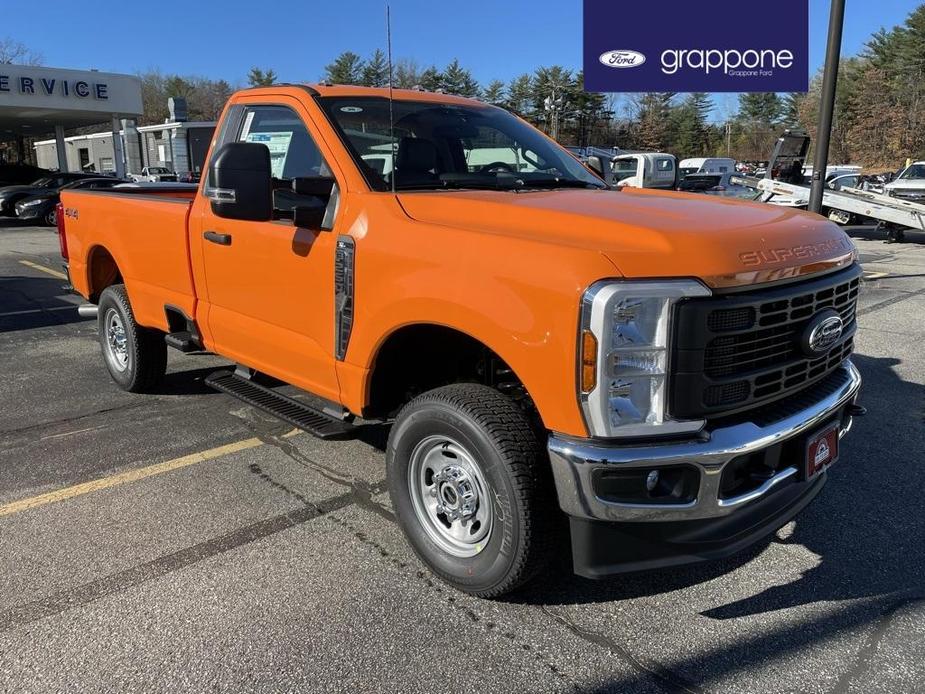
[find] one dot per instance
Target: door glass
(293, 154)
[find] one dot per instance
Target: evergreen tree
(691, 132)
(458, 80)
(347, 68)
(431, 79)
(375, 72)
(495, 93)
(760, 107)
(260, 78)
(520, 96)
(407, 74)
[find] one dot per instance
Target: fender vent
(343, 294)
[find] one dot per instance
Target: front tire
(470, 485)
(136, 357)
(51, 218)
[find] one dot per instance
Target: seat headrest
(416, 154)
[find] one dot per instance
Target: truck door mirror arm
(240, 182)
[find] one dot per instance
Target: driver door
(270, 285)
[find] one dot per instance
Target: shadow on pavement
(34, 302)
(866, 527)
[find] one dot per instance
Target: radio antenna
(388, 35)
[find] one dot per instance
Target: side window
(293, 155)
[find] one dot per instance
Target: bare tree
(15, 52)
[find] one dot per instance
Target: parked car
(188, 177)
(154, 174)
(10, 195)
(543, 348)
(20, 174)
(908, 185)
(43, 205)
(715, 184)
(706, 165)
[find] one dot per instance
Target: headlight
(623, 356)
(31, 203)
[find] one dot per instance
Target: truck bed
(144, 230)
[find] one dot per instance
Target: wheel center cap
(456, 492)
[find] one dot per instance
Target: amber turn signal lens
(588, 361)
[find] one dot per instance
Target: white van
(706, 165)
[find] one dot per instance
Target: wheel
(471, 488)
(51, 217)
(135, 356)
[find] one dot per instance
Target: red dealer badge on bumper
(821, 450)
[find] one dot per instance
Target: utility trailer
(785, 179)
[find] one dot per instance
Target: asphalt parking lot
(186, 542)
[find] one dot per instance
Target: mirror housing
(240, 182)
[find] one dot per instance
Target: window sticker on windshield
(351, 109)
(248, 120)
(278, 144)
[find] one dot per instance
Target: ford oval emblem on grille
(822, 332)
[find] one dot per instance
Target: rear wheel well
(102, 272)
(418, 358)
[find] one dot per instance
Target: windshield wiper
(553, 182)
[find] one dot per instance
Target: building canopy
(34, 100)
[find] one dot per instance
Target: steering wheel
(496, 166)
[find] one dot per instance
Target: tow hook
(856, 410)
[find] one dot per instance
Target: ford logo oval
(622, 59)
(822, 332)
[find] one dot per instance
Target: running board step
(184, 341)
(289, 410)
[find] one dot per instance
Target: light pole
(827, 106)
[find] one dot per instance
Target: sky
(495, 39)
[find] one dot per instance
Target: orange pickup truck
(672, 371)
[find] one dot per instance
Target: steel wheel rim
(116, 341)
(450, 497)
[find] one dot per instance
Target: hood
(646, 233)
(915, 183)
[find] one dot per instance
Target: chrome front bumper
(574, 462)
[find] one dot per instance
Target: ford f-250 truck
(670, 370)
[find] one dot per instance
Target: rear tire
(136, 357)
(470, 484)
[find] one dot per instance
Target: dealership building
(180, 146)
(43, 102)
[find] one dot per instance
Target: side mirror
(596, 165)
(240, 182)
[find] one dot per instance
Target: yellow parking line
(129, 476)
(36, 266)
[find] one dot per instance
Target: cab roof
(351, 90)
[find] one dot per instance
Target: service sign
(683, 46)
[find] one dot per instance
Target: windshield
(441, 146)
(914, 171)
(44, 182)
(157, 169)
